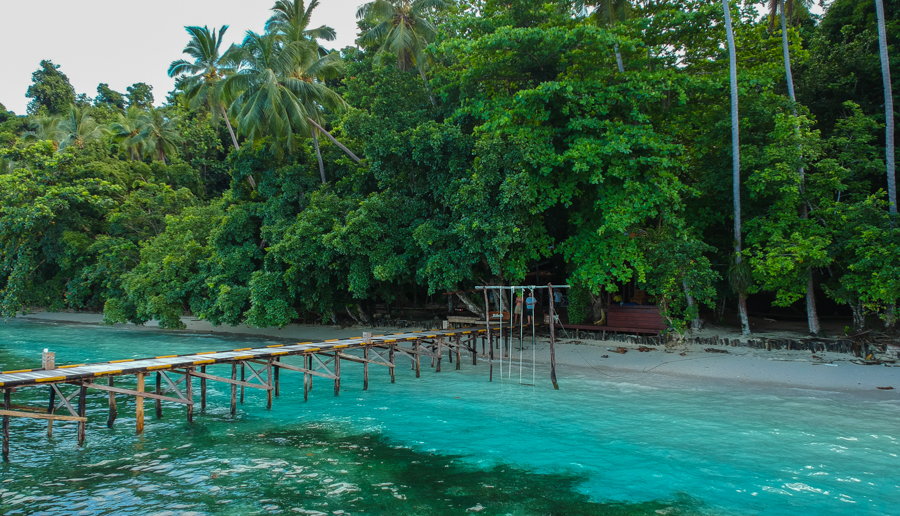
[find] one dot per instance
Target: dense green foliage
(492, 136)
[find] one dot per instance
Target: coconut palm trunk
(315, 140)
(736, 161)
(230, 129)
(341, 146)
(619, 59)
(427, 86)
(888, 108)
(812, 316)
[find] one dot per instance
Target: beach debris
(714, 350)
(645, 349)
(621, 350)
(683, 353)
(888, 388)
(604, 356)
(478, 508)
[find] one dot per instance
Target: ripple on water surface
(446, 444)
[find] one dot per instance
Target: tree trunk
(619, 59)
(695, 323)
(230, 130)
(470, 305)
(427, 87)
(736, 159)
(888, 108)
(859, 316)
(890, 318)
(347, 151)
(319, 156)
(811, 316)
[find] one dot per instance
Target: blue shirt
(529, 302)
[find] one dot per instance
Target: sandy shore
(791, 369)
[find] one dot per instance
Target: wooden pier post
(552, 341)
(7, 404)
(440, 353)
(269, 383)
(391, 358)
(82, 408)
(418, 362)
(366, 369)
(305, 384)
(310, 368)
(189, 393)
(50, 409)
(337, 374)
(456, 338)
(474, 344)
(139, 405)
(203, 390)
(159, 393)
(233, 389)
(242, 379)
(277, 378)
(490, 336)
(113, 413)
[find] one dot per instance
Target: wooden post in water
(440, 353)
(487, 321)
(310, 368)
(391, 358)
(277, 378)
(7, 404)
(158, 393)
(113, 413)
(203, 390)
(139, 405)
(305, 383)
(269, 368)
(233, 389)
(242, 379)
(366, 369)
(418, 362)
(189, 393)
(456, 338)
(474, 345)
(82, 408)
(50, 409)
(337, 374)
(552, 340)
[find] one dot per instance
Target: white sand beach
(825, 371)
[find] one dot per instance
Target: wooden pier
(260, 368)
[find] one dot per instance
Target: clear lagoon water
(447, 443)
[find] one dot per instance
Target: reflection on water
(448, 443)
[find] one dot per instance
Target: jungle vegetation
(711, 152)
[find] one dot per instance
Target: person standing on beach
(518, 309)
(530, 301)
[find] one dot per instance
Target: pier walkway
(175, 373)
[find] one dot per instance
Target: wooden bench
(639, 319)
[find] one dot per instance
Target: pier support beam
(158, 393)
(337, 374)
(366, 369)
(139, 406)
(82, 408)
(203, 390)
(7, 405)
(50, 411)
(277, 379)
(269, 384)
(189, 393)
(458, 355)
(418, 362)
(233, 389)
(440, 342)
(391, 358)
(243, 379)
(113, 413)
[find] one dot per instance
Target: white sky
(121, 43)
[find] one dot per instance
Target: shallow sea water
(446, 443)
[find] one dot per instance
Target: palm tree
(795, 7)
(736, 167)
(401, 27)
(888, 108)
(274, 93)
(609, 12)
(78, 127)
(204, 75)
(127, 129)
(42, 128)
(291, 19)
(159, 136)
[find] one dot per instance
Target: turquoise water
(446, 443)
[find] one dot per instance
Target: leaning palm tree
(127, 129)
(159, 136)
(736, 170)
(203, 76)
(888, 107)
(78, 127)
(402, 28)
(274, 95)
